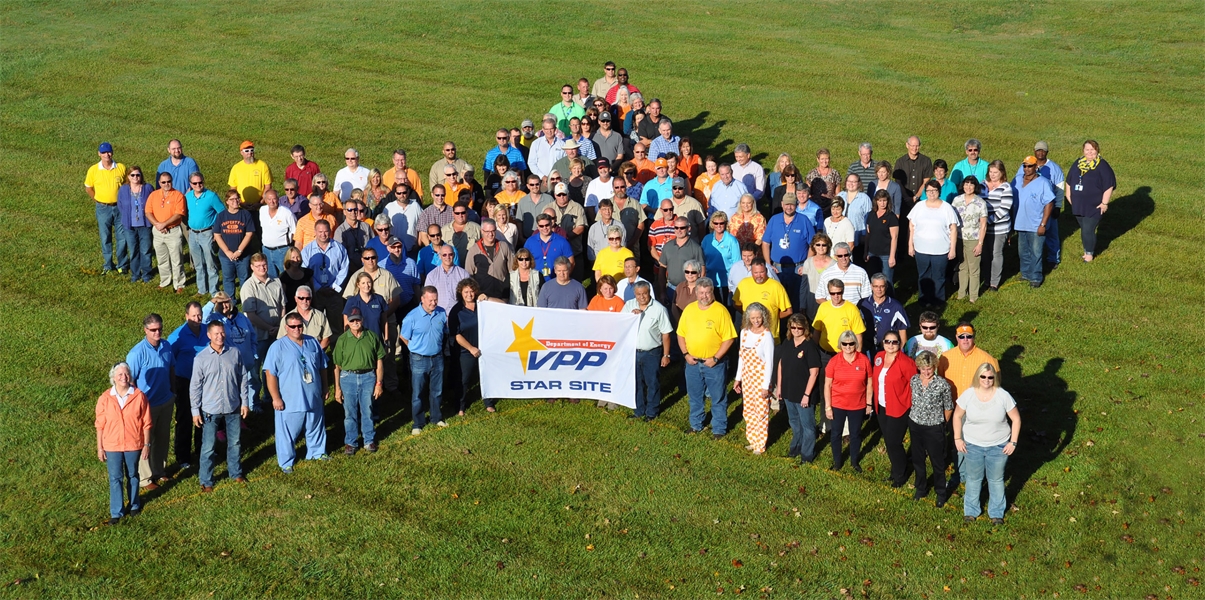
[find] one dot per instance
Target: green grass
(1103, 358)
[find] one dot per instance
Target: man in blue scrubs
(296, 372)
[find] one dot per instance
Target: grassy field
(555, 501)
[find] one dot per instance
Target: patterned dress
(753, 371)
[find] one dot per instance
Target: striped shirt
(660, 231)
(999, 208)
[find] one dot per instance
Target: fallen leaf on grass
(737, 563)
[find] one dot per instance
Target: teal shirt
(203, 210)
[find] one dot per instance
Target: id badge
(307, 377)
(1079, 188)
(545, 271)
(784, 243)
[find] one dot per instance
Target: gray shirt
(265, 300)
(654, 322)
(609, 146)
(596, 237)
(526, 211)
(554, 295)
(220, 383)
(674, 257)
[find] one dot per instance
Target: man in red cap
(250, 176)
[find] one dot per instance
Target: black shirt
(878, 232)
(290, 286)
(795, 363)
(910, 173)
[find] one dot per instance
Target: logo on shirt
(553, 354)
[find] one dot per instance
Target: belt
(424, 355)
(200, 230)
(276, 247)
(657, 349)
(359, 371)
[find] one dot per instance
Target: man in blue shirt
(152, 369)
(1035, 201)
(404, 270)
(808, 209)
(204, 206)
(240, 334)
(546, 246)
(328, 259)
(785, 244)
(512, 154)
(660, 187)
(179, 166)
(186, 341)
(971, 165)
(221, 395)
(885, 312)
(1050, 170)
(726, 194)
(296, 374)
(424, 331)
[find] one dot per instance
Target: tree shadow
(704, 138)
(1048, 419)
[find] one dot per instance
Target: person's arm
(222, 245)
(338, 388)
(895, 238)
(1046, 210)
(982, 228)
(869, 390)
(765, 252)
(1014, 416)
(954, 240)
(686, 354)
(828, 397)
(959, 415)
(810, 388)
(243, 245)
(724, 346)
(274, 390)
(911, 238)
(378, 388)
(786, 313)
(150, 216)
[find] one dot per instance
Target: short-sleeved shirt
(911, 173)
(405, 272)
(277, 229)
(569, 217)
(654, 323)
(850, 381)
(1088, 187)
(303, 175)
(600, 304)
(234, 227)
(373, 311)
(545, 253)
(705, 330)
(969, 213)
(298, 372)
(932, 228)
(610, 262)
(570, 295)
(316, 326)
(655, 191)
(358, 353)
(918, 344)
(986, 423)
(1032, 199)
(463, 322)
(203, 210)
(164, 205)
(788, 241)
(150, 368)
(963, 168)
(770, 294)
(105, 182)
(878, 232)
(180, 173)
(929, 402)
(888, 316)
(795, 363)
(264, 299)
(674, 257)
(831, 321)
(425, 331)
(857, 283)
(250, 180)
(960, 369)
(446, 281)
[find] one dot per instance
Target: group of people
(332, 288)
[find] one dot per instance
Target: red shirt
(897, 384)
(303, 175)
(849, 381)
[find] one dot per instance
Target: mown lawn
(554, 501)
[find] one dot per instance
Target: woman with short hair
(972, 212)
(847, 398)
(753, 375)
(838, 226)
(932, 229)
(123, 436)
(986, 427)
(797, 368)
(931, 408)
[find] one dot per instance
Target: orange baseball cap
(246, 144)
(661, 162)
(1030, 160)
(965, 329)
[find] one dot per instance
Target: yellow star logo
(524, 343)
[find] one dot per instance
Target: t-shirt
(705, 330)
(233, 227)
(770, 294)
(610, 262)
(849, 381)
(463, 321)
(600, 304)
(795, 363)
(674, 257)
(250, 180)
(788, 242)
(831, 321)
(918, 344)
(878, 232)
(555, 295)
(278, 229)
(986, 423)
(932, 227)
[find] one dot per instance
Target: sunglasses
(795, 328)
(300, 298)
(543, 225)
(892, 342)
(820, 245)
(691, 272)
(354, 210)
(135, 174)
(298, 326)
(383, 229)
(681, 228)
(615, 239)
(832, 293)
(678, 187)
(719, 223)
(966, 336)
(293, 189)
(155, 330)
(524, 259)
(667, 210)
(848, 344)
(350, 158)
(928, 328)
(459, 212)
(369, 257)
(435, 235)
(842, 255)
(987, 377)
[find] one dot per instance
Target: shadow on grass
(704, 138)
(1125, 213)
(1048, 419)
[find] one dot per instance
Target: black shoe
(920, 494)
(134, 512)
(857, 468)
(968, 519)
(897, 485)
(114, 520)
(941, 502)
(835, 467)
(1034, 284)
(647, 418)
(997, 521)
(692, 431)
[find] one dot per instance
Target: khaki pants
(968, 271)
(170, 254)
(155, 467)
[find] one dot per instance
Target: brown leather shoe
(349, 450)
(240, 479)
(162, 481)
(150, 487)
(371, 447)
(207, 489)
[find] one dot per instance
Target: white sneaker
(442, 424)
(415, 431)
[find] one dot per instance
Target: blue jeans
(200, 246)
(931, 277)
(122, 465)
(803, 430)
(977, 462)
(648, 383)
(428, 370)
(289, 426)
(880, 263)
(1054, 245)
(232, 423)
(357, 406)
(707, 381)
(138, 242)
(229, 268)
(276, 260)
(108, 222)
(840, 416)
(1029, 247)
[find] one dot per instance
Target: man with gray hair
(857, 283)
(864, 167)
(971, 165)
(545, 150)
(351, 177)
(748, 172)
(221, 395)
(726, 193)
(885, 313)
(488, 262)
(676, 252)
(912, 170)
(652, 349)
(665, 142)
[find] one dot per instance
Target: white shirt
(542, 155)
(752, 175)
(346, 180)
(654, 322)
(932, 227)
(277, 230)
(404, 221)
(763, 345)
(621, 289)
(857, 284)
(599, 190)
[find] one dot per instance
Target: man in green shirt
(359, 374)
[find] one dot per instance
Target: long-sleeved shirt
(752, 175)
(543, 155)
(329, 264)
(221, 384)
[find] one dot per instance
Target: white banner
(556, 353)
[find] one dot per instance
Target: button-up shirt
(292, 365)
(654, 322)
(240, 334)
(542, 155)
(185, 346)
(726, 197)
(445, 281)
(150, 368)
(329, 264)
(752, 175)
(424, 331)
(266, 300)
(221, 384)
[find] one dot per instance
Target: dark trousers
(803, 430)
(893, 429)
(840, 416)
(468, 374)
(188, 438)
(648, 384)
(1087, 233)
(931, 277)
(929, 440)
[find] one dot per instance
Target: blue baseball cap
(105, 147)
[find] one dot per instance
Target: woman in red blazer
(893, 372)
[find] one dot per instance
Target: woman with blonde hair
(524, 279)
(774, 178)
(987, 425)
(375, 192)
(753, 375)
(746, 223)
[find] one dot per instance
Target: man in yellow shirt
(250, 176)
(705, 333)
(760, 288)
(399, 167)
(958, 364)
(102, 182)
(836, 317)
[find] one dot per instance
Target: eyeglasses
(892, 342)
(608, 68)
(928, 327)
(154, 330)
(554, 179)
(667, 210)
(445, 255)
(564, 93)
(349, 158)
(459, 212)
(678, 187)
(382, 229)
(719, 223)
(691, 272)
(614, 239)
(524, 259)
(529, 183)
(842, 255)
(543, 225)
(972, 149)
(848, 344)
(832, 293)
(449, 149)
(354, 210)
(820, 245)
(306, 298)
(967, 336)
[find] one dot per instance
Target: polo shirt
(264, 299)
(416, 184)
(770, 294)
(960, 368)
(358, 353)
(304, 176)
(180, 173)
(857, 283)
(277, 229)
(1052, 171)
(512, 154)
(233, 227)
(346, 180)
(610, 262)
(185, 346)
(725, 197)
(150, 368)
(571, 295)
(424, 331)
(656, 190)
(888, 316)
(329, 264)
(404, 221)
(406, 274)
(446, 281)
(564, 113)
(1031, 203)
(463, 322)
(674, 257)
(652, 129)
(660, 232)
(831, 321)
(963, 168)
(304, 233)
(293, 364)
(250, 179)
(203, 210)
(705, 329)
(428, 258)
(316, 326)
(865, 173)
(788, 241)
(105, 182)
(570, 217)
(645, 170)
(373, 311)
(544, 253)
(654, 323)
(740, 272)
(609, 146)
(221, 384)
(752, 175)
(720, 256)
(527, 209)
(849, 381)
